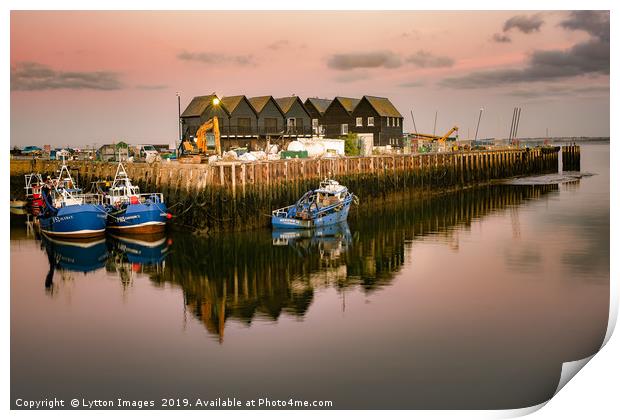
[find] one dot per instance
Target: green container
(289, 154)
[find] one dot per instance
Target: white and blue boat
(327, 205)
(69, 213)
(129, 211)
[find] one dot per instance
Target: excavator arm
(211, 125)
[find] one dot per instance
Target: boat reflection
(329, 241)
(72, 256)
(144, 254)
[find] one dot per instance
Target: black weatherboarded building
(252, 121)
(316, 107)
(296, 116)
(270, 116)
(378, 116)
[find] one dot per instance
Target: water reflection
(260, 275)
(121, 255)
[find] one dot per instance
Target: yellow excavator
(207, 143)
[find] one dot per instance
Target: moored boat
(132, 212)
(326, 205)
(34, 183)
(67, 212)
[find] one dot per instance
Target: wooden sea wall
(238, 196)
(571, 158)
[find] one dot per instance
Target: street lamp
(179, 120)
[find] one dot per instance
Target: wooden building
(379, 117)
(200, 110)
(297, 118)
(242, 118)
(316, 108)
(374, 119)
(338, 119)
(270, 115)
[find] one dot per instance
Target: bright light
(216, 101)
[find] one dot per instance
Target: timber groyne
(240, 195)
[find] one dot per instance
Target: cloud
(501, 38)
(151, 87)
(352, 77)
(523, 23)
(278, 44)
(214, 58)
(596, 23)
(386, 59)
(29, 76)
(425, 59)
(560, 91)
(590, 57)
(417, 83)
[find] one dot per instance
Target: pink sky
(100, 77)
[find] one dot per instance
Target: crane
(202, 146)
(440, 139)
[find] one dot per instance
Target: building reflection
(261, 275)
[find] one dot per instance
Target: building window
(358, 121)
(388, 121)
(371, 121)
(243, 125)
(397, 122)
(344, 129)
(271, 125)
(315, 122)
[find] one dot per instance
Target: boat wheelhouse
(34, 183)
(69, 213)
(132, 212)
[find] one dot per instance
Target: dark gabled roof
(198, 105)
(259, 102)
(319, 104)
(232, 102)
(383, 106)
(286, 103)
(348, 103)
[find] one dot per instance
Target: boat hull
(139, 219)
(294, 223)
(75, 222)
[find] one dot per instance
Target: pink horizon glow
(288, 53)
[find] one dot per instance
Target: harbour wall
(240, 195)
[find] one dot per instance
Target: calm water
(469, 300)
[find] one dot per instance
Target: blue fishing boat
(327, 205)
(131, 212)
(69, 213)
